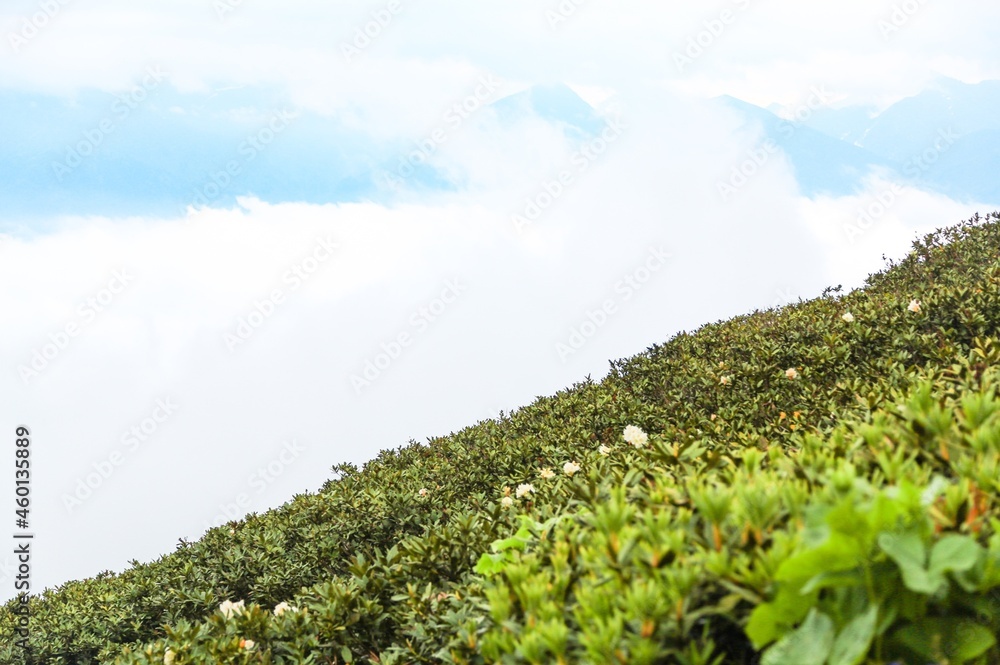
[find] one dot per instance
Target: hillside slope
(817, 483)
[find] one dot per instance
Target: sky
(241, 242)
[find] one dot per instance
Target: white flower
(232, 532)
(792, 373)
(229, 608)
(848, 317)
(506, 502)
(636, 436)
(281, 608)
(569, 468)
(423, 491)
(725, 380)
(604, 450)
(914, 306)
(524, 489)
(168, 657)
(247, 644)
(546, 473)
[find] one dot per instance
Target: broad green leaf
(840, 578)
(854, 641)
(489, 564)
(907, 550)
(810, 644)
(693, 452)
(517, 542)
(837, 553)
(954, 552)
(763, 626)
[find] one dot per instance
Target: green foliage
(844, 513)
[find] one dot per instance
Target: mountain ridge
(903, 140)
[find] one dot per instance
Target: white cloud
(769, 52)
(884, 219)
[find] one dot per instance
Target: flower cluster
(636, 436)
(229, 608)
(281, 608)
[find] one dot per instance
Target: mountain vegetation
(811, 485)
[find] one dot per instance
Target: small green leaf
(954, 552)
(772, 620)
(489, 565)
(854, 641)
(909, 553)
(513, 543)
(810, 644)
(763, 626)
(906, 549)
(838, 552)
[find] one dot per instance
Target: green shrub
(843, 512)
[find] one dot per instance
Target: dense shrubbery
(815, 488)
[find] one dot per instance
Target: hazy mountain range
(945, 139)
(157, 150)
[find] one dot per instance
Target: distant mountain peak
(946, 138)
(553, 102)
